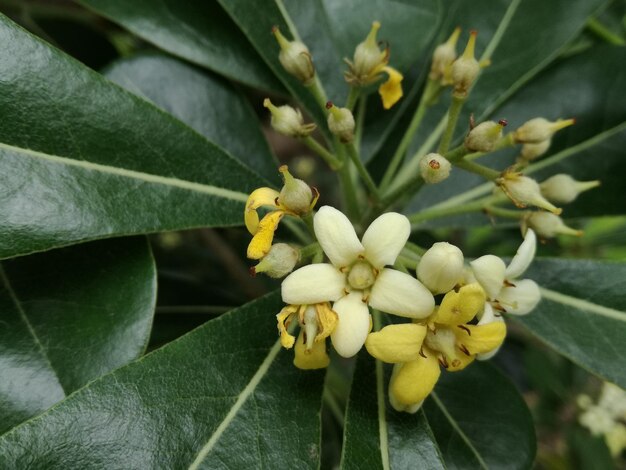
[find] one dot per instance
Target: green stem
(418, 250)
(318, 93)
(475, 206)
(453, 116)
(369, 182)
(360, 119)
(500, 212)
(296, 229)
(332, 161)
(432, 87)
(309, 250)
(412, 186)
(597, 28)
(352, 97)
(308, 220)
(456, 154)
(349, 192)
(472, 167)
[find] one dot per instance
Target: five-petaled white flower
(358, 277)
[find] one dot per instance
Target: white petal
(353, 325)
(400, 294)
(385, 238)
(313, 284)
(489, 272)
(337, 237)
(521, 299)
(523, 257)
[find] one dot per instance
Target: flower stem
(475, 206)
(309, 250)
(332, 161)
(349, 192)
(432, 87)
(352, 97)
(412, 247)
(456, 154)
(478, 169)
(501, 212)
(369, 182)
(308, 220)
(318, 93)
(408, 188)
(453, 116)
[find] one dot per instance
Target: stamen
(508, 283)
(463, 348)
(422, 353)
(466, 329)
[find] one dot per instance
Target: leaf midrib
(583, 304)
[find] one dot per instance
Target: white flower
(357, 276)
(505, 291)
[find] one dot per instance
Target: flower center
(442, 340)
(361, 275)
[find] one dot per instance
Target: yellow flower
(316, 322)
(446, 340)
(296, 198)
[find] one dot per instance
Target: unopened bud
(548, 225)
(434, 168)
(443, 57)
(465, 69)
(279, 262)
(530, 151)
(368, 60)
(295, 58)
(441, 267)
(341, 122)
(288, 121)
(484, 136)
(539, 129)
(524, 192)
(295, 195)
(563, 189)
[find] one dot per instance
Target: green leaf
(68, 316)
(84, 159)
(377, 436)
(480, 420)
(222, 396)
(197, 31)
(206, 103)
(582, 313)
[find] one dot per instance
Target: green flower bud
(484, 136)
(434, 168)
(288, 121)
(443, 57)
(524, 192)
(295, 58)
(368, 60)
(563, 189)
(539, 129)
(532, 151)
(465, 69)
(341, 122)
(441, 267)
(279, 262)
(295, 195)
(548, 225)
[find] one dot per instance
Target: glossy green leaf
(377, 436)
(223, 396)
(582, 314)
(69, 316)
(206, 103)
(195, 30)
(84, 159)
(480, 420)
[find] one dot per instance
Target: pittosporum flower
(295, 58)
(288, 121)
(443, 57)
(563, 189)
(465, 69)
(341, 122)
(504, 290)
(279, 262)
(524, 191)
(357, 277)
(484, 136)
(539, 130)
(445, 340)
(441, 267)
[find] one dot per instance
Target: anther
(466, 329)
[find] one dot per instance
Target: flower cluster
(607, 417)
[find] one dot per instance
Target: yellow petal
(481, 338)
(411, 382)
(262, 241)
(457, 308)
(391, 90)
(326, 320)
(258, 197)
(396, 343)
(283, 318)
(460, 361)
(314, 358)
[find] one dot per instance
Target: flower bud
(524, 192)
(548, 225)
(484, 136)
(443, 57)
(295, 195)
(279, 262)
(539, 129)
(295, 58)
(368, 60)
(434, 168)
(341, 122)
(441, 267)
(465, 69)
(532, 151)
(288, 121)
(563, 189)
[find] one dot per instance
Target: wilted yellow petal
(481, 338)
(457, 308)
(326, 320)
(283, 318)
(258, 197)
(391, 90)
(411, 382)
(262, 241)
(396, 343)
(314, 358)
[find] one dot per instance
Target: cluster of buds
(536, 137)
